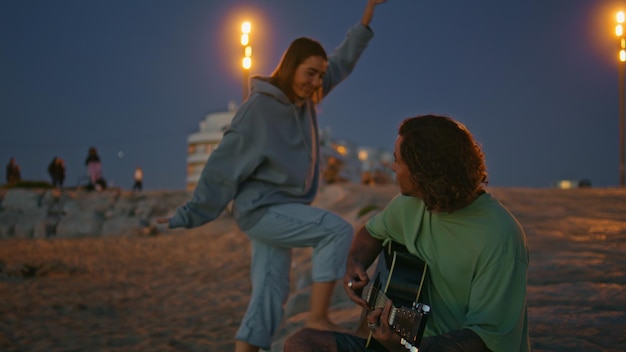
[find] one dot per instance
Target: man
(474, 248)
(13, 172)
(56, 169)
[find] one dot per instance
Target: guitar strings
(381, 300)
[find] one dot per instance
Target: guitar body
(405, 277)
(399, 276)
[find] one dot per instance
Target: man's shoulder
(402, 208)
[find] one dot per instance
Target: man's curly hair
(447, 165)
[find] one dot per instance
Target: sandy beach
(186, 290)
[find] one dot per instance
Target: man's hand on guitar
(378, 323)
(354, 281)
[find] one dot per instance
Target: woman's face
(308, 76)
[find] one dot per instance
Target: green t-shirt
(477, 264)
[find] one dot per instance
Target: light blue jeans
(282, 228)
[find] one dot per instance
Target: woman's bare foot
(325, 324)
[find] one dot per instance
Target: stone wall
(39, 213)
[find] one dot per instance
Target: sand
(186, 290)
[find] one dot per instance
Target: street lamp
(619, 31)
(246, 63)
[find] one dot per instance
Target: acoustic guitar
(399, 277)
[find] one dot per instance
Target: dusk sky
(536, 81)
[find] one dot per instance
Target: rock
(37, 213)
(8, 219)
(117, 226)
(21, 199)
(27, 221)
(79, 224)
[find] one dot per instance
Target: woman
(268, 163)
(94, 169)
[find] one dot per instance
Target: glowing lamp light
(246, 26)
(565, 184)
(246, 63)
(619, 31)
(363, 155)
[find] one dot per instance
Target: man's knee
(309, 340)
(296, 342)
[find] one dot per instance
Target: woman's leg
(299, 225)
(321, 295)
(269, 271)
(242, 346)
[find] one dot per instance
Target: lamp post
(619, 31)
(246, 63)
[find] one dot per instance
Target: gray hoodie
(270, 153)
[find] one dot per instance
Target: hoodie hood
(262, 85)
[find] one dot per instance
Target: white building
(202, 143)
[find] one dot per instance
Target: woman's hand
(163, 221)
(369, 11)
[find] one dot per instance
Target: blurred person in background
(138, 177)
(56, 170)
(94, 170)
(13, 172)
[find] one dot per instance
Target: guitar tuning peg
(408, 346)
